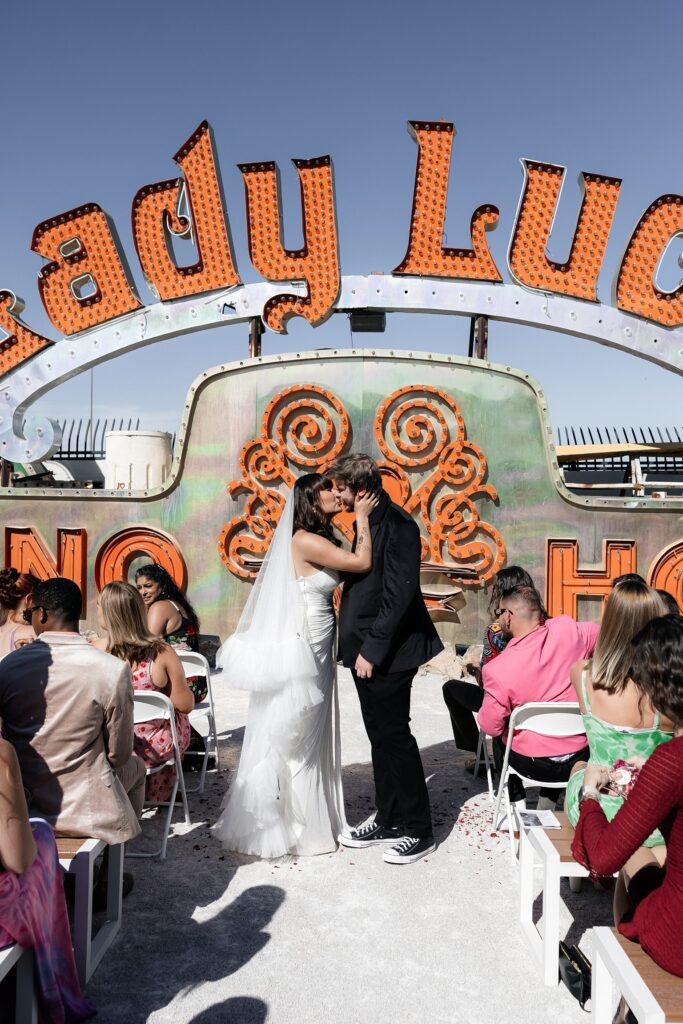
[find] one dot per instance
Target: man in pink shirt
(534, 667)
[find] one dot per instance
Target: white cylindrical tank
(136, 460)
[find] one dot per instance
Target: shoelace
(406, 844)
(364, 830)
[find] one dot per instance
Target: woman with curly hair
(15, 590)
(170, 615)
(655, 801)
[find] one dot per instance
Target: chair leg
(82, 870)
(601, 988)
(26, 1007)
(551, 920)
(489, 777)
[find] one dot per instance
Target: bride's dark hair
(307, 512)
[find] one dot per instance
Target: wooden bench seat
(654, 995)
(77, 857)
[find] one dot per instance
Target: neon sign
(91, 300)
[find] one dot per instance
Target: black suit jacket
(383, 615)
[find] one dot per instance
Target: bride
(287, 796)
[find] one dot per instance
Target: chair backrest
(195, 664)
(548, 719)
(148, 705)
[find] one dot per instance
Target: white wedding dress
(287, 795)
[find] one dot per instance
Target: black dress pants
(541, 769)
(461, 700)
(401, 794)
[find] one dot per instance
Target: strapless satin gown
(287, 795)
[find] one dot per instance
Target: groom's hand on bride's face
(363, 668)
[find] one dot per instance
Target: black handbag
(575, 972)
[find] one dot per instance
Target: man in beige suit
(67, 709)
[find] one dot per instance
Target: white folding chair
(483, 755)
(148, 707)
(202, 716)
(545, 719)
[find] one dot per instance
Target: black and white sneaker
(409, 849)
(369, 834)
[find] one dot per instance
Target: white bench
(654, 996)
(549, 849)
(20, 960)
(77, 857)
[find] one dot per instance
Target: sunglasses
(27, 613)
(503, 611)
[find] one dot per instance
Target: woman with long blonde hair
(619, 719)
(155, 666)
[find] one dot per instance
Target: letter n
(26, 551)
(566, 582)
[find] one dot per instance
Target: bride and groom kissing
(287, 795)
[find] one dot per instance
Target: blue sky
(97, 98)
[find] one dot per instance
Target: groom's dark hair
(359, 472)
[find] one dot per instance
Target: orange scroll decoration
(421, 427)
(417, 428)
(666, 572)
(636, 288)
(85, 283)
(426, 253)
(157, 216)
(528, 258)
(21, 342)
(317, 263)
(305, 427)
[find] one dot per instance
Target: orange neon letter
(665, 572)
(157, 215)
(566, 582)
(21, 342)
(426, 253)
(115, 556)
(528, 258)
(26, 551)
(317, 263)
(85, 283)
(636, 289)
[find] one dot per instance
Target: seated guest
(628, 577)
(170, 615)
(534, 667)
(463, 697)
(67, 709)
(32, 906)
(619, 721)
(155, 666)
(655, 894)
(15, 591)
(495, 637)
(670, 602)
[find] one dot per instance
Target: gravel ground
(210, 937)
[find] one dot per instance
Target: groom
(385, 634)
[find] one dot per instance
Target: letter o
(115, 556)
(666, 572)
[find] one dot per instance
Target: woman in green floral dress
(620, 723)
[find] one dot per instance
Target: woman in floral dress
(155, 667)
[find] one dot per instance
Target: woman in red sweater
(655, 915)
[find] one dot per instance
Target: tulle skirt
(287, 795)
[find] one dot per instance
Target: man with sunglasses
(67, 709)
(534, 667)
